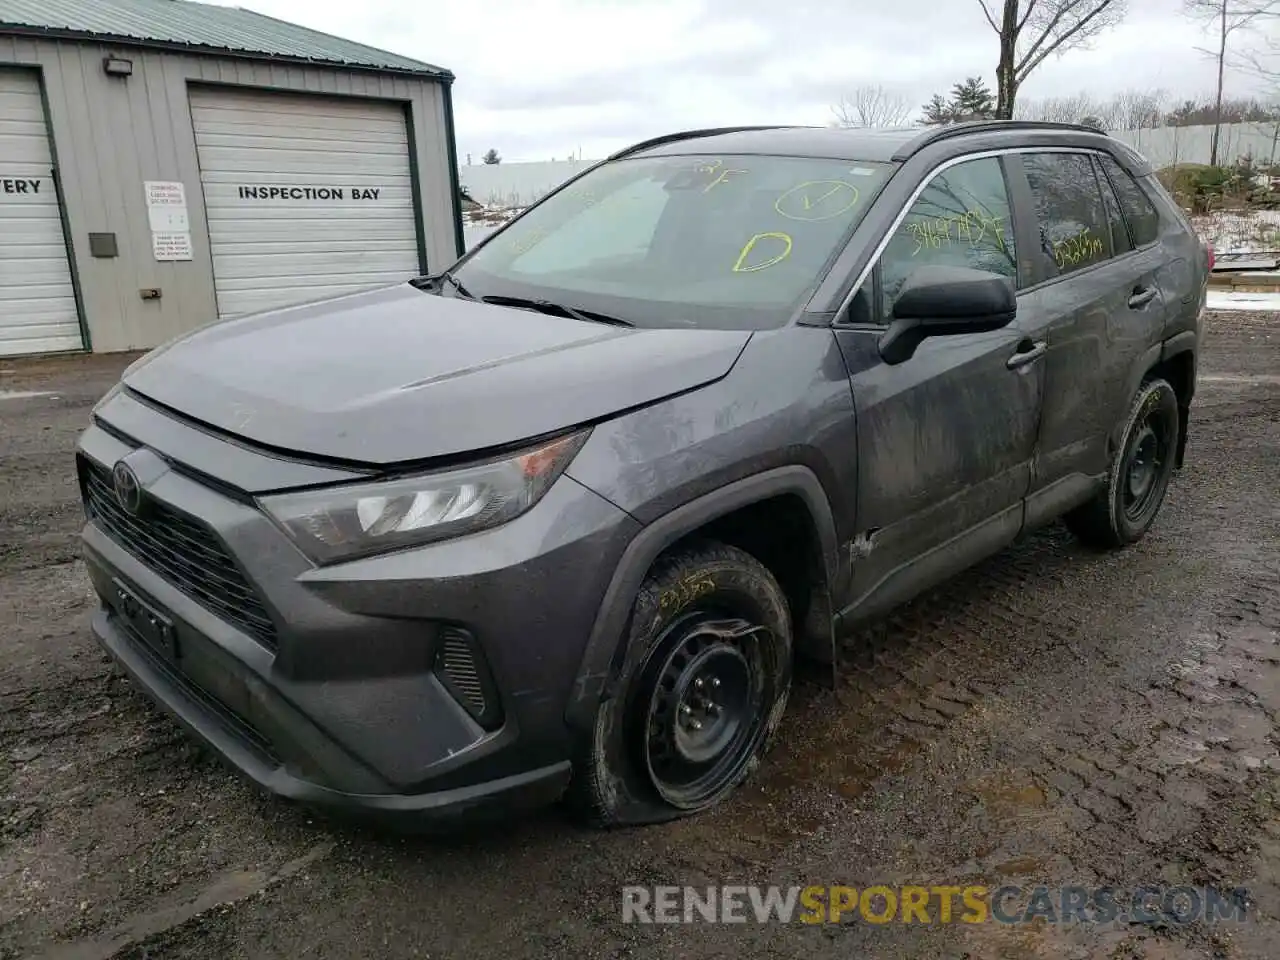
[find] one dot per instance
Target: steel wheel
(700, 689)
(1121, 512)
(1145, 460)
(1143, 471)
(705, 716)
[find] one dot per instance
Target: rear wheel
(700, 694)
(1123, 511)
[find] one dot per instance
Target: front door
(945, 439)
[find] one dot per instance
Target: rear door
(1096, 302)
(1180, 268)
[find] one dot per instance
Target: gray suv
(559, 521)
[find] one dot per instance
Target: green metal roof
(183, 25)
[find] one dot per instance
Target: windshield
(731, 241)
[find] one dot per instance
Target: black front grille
(183, 551)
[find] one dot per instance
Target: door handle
(1142, 296)
(1028, 353)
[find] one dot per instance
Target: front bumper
(210, 722)
(346, 707)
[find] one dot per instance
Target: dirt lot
(1055, 716)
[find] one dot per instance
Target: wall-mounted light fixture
(117, 66)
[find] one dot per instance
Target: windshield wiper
(446, 277)
(561, 309)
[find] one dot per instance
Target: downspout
(455, 184)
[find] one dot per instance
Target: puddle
(861, 776)
(1020, 867)
(1259, 378)
(1005, 794)
(1039, 941)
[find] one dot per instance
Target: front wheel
(1123, 511)
(700, 694)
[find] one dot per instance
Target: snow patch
(1223, 300)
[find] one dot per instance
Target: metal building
(165, 163)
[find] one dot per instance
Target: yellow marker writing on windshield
(817, 200)
(724, 175)
(741, 265)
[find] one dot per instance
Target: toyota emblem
(128, 489)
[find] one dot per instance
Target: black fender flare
(1179, 343)
(605, 646)
(1150, 357)
(1156, 354)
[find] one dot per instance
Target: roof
(181, 25)
(886, 144)
(826, 142)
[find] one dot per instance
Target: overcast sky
(543, 78)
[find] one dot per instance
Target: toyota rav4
(561, 518)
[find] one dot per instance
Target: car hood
(395, 374)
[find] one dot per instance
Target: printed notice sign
(167, 215)
(171, 246)
(164, 193)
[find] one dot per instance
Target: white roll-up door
(306, 196)
(37, 300)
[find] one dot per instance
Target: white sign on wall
(167, 214)
(165, 193)
(171, 246)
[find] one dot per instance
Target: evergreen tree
(973, 100)
(970, 100)
(937, 112)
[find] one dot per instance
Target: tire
(1123, 511)
(710, 614)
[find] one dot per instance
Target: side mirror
(943, 301)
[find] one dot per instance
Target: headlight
(340, 523)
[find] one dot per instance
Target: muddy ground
(1055, 716)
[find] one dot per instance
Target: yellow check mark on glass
(809, 203)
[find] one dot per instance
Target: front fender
(606, 646)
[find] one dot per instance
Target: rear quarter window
(1139, 212)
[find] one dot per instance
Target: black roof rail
(934, 134)
(690, 135)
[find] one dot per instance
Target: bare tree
(1125, 110)
(1031, 30)
(1140, 109)
(871, 105)
(1068, 109)
(1226, 18)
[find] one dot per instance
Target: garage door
(306, 197)
(37, 301)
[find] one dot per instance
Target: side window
(1120, 242)
(1074, 233)
(961, 219)
(1139, 212)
